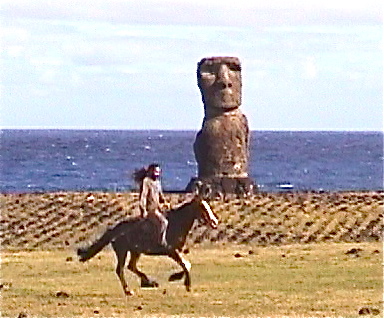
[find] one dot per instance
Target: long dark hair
(139, 174)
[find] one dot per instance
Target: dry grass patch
(62, 220)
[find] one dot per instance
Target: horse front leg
(176, 256)
(121, 254)
(132, 266)
(176, 276)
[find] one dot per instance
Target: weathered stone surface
(222, 145)
(219, 187)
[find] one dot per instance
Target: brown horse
(136, 236)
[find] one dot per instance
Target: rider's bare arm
(143, 199)
(163, 201)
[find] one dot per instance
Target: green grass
(315, 280)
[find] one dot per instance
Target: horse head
(207, 214)
(204, 208)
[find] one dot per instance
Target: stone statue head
(219, 80)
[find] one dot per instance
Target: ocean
(103, 160)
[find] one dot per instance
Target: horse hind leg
(121, 254)
(132, 266)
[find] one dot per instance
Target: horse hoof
(82, 253)
(149, 284)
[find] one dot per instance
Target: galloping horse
(136, 236)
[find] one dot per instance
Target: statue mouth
(227, 98)
(229, 108)
(224, 94)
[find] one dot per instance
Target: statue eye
(234, 67)
(207, 69)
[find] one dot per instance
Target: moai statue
(222, 145)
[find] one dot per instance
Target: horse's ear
(197, 188)
(202, 190)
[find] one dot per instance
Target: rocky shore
(70, 219)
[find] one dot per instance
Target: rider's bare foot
(129, 292)
(164, 244)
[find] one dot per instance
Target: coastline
(69, 219)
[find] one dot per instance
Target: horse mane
(176, 212)
(181, 206)
(172, 212)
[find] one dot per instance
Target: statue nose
(223, 78)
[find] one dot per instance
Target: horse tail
(86, 253)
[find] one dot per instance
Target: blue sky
(307, 65)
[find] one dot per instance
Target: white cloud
(309, 68)
(39, 61)
(198, 12)
(15, 51)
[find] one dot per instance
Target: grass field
(303, 280)
(272, 255)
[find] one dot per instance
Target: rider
(151, 195)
